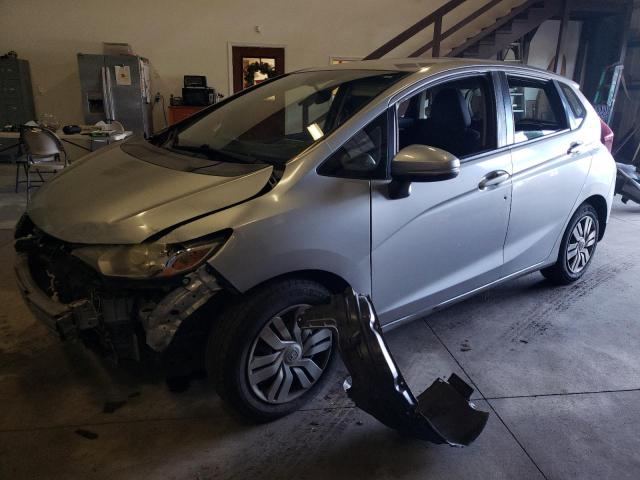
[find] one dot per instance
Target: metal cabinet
(16, 96)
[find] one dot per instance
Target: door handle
(493, 179)
(112, 109)
(574, 148)
(105, 93)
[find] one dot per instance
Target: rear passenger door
(550, 165)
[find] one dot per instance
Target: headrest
(450, 109)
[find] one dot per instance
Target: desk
(82, 144)
(178, 113)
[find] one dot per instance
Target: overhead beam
(562, 34)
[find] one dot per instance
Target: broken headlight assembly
(150, 260)
(443, 413)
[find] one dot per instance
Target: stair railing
(435, 19)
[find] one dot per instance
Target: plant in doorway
(253, 68)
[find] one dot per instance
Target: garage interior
(557, 369)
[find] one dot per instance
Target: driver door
(447, 237)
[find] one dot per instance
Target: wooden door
(252, 65)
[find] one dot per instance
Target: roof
(428, 66)
(405, 64)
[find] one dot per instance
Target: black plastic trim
(441, 414)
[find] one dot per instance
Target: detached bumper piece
(441, 414)
(628, 182)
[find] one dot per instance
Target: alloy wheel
(284, 360)
(581, 244)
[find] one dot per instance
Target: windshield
(278, 120)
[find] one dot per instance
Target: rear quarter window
(577, 108)
(537, 108)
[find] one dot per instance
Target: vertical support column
(562, 34)
(626, 31)
(437, 37)
(624, 45)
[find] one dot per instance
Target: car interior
(454, 116)
(536, 109)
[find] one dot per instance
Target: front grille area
(105, 312)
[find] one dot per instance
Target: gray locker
(16, 96)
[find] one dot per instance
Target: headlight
(150, 260)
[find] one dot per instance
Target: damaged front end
(441, 414)
(162, 319)
(115, 316)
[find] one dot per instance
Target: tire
(576, 252)
(237, 351)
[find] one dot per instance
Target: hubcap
(284, 360)
(581, 244)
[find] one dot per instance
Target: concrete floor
(558, 368)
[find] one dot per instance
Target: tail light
(606, 135)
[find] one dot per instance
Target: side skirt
(401, 321)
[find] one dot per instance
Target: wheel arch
(331, 281)
(599, 203)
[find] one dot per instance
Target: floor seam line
(518, 442)
(567, 394)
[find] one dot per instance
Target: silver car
(415, 182)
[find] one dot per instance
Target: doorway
(253, 65)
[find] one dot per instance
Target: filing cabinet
(16, 95)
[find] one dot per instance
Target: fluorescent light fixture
(315, 131)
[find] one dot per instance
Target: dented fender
(441, 414)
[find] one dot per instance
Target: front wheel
(262, 364)
(577, 248)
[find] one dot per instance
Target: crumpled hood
(112, 197)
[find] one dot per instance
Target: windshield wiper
(213, 154)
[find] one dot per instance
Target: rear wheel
(262, 364)
(577, 249)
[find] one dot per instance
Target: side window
(577, 108)
(363, 156)
(457, 116)
(537, 109)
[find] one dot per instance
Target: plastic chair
(44, 151)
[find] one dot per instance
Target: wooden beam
(625, 39)
(562, 34)
(437, 37)
(526, 45)
(581, 55)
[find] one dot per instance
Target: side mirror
(420, 163)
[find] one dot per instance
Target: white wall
(192, 36)
(544, 44)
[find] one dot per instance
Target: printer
(196, 93)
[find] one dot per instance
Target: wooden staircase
(522, 20)
(499, 35)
